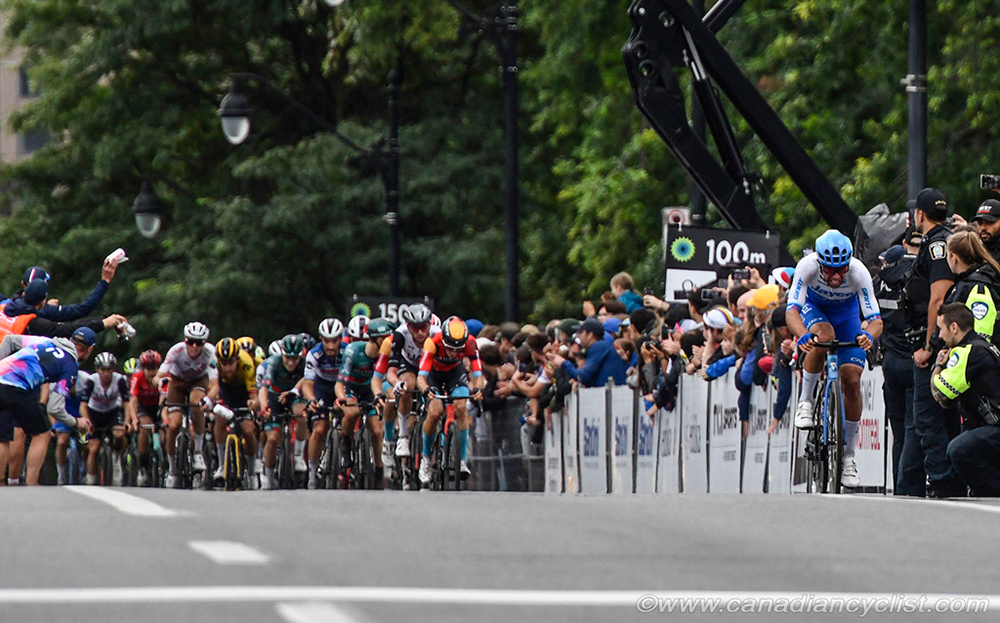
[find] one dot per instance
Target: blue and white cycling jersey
(809, 286)
(817, 301)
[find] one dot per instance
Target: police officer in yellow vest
(977, 282)
(968, 372)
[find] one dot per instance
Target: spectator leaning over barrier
(718, 354)
(602, 362)
(753, 345)
(780, 366)
(968, 371)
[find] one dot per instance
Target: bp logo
(361, 309)
(980, 309)
(682, 249)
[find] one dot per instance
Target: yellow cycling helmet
(227, 348)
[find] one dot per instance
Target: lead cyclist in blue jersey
(830, 294)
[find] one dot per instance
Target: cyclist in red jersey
(442, 370)
(144, 401)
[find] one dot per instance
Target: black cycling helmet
(454, 332)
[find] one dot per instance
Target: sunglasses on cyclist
(195, 342)
(840, 270)
(420, 326)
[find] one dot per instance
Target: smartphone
(707, 294)
(989, 182)
(648, 291)
(739, 274)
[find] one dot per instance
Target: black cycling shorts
(21, 406)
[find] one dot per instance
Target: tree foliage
(273, 235)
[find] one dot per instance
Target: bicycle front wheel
(835, 437)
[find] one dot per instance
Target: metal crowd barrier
(604, 442)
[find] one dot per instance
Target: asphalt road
(154, 555)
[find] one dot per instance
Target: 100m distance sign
(705, 248)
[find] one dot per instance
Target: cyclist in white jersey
(193, 378)
(830, 294)
(407, 347)
(102, 400)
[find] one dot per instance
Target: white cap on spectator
(483, 341)
(783, 276)
(719, 318)
(686, 325)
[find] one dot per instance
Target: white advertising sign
(593, 440)
(570, 425)
(553, 454)
(694, 434)
(724, 436)
(780, 452)
(647, 447)
(755, 448)
(870, 449)
(622, 438)
(669, 426)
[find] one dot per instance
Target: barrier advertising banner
(593, 440)
(724, 436)
(622, 438)
(668, 425)
(647, 442)
(780, 452)
(570, 425)
(694, 435)
(554, 454)
(870, 449)
(755, 448)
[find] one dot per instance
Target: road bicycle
(405, 470)
(184, 449)
(445, 452)
(825, 441)
(284, 466)
(157, 457)
(234, 461)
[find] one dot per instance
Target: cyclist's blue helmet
(834, 249)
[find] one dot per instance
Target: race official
(926, 286)
(968, 372)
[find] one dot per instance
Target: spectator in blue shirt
(601, 360)
(621, 287)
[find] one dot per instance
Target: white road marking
(385, 594)
(229, 552)
(128, 504)
(900, 499)
(316, 612)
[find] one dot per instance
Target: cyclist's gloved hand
(162, 386)
(867, 335)
(804, 339)
(206, 403)
(399, 388)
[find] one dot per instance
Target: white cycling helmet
(416, 314)
(435, 320)
(274, 348)
(331, 328)
(105, 360)
(195, 331)
(356, 327)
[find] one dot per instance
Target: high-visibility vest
(13, 325)
(984, 310)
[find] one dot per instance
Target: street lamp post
(148, 208)
(501, 29)
(235, 113)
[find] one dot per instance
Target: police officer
(968, 372)
(977, 282)
(928, 282)
(897, 364)
(987, 219)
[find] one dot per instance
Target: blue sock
(390, 431)
(463, 442)
(428, 441)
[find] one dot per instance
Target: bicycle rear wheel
(285, 477)
(184, 460)
(835, 437)
(105, 469)
(232, 464)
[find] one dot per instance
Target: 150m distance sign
(383, 307)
